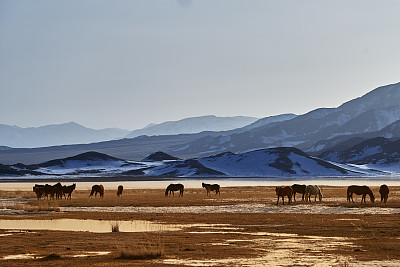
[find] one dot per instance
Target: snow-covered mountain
(273, 162)
(194, 125)
(56, 134)
(370, 113)
(377, 150)
(374, 114)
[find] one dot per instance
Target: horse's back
(384, 189)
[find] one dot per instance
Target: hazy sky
(129, 63)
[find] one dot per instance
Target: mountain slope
(194, 125)
(377, 150)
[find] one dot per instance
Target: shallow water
(95, 226)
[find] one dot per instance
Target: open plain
(243, 226)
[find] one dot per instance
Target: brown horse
(174, 187)
(282, 192)
(384, 191)
(299, 188)
(97, 189)
(211, 187)
(119, 191)
(39, 190)
(68, 190)
(360, 190)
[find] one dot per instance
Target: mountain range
(330, 134)
(271, 162)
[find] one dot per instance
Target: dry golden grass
(36, 207)
(144, 251)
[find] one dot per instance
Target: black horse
(299, 188)
(174, 187)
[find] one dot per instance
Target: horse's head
(278, 189)
(203, 184)
(372, 197)
(320, 197)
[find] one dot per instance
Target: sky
(129, 63)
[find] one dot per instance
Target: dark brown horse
(384, 191)
(39, 190)
(68, 190)
(211, 187)
(119, 190)
(299, 188)
(360, 190)
(282, 192)
(174, 187)
(97, 189)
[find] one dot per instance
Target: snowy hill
(159, 156)
(194, 125)
(85, 163)
(57, 134)
(372, 151)
(274, 162)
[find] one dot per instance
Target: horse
(174, 187)
(119, 191)
(282, 192)
(97, 189)
(384, 191)
(313, 190)
(299, 188)
(58, 190)
(211, 187)
(360, 190)
(39, 190)
(68, 190)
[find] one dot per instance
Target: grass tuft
(143, 252)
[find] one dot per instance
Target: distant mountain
(370, 113)
(377, 112)
(269, 120)
(377, 150)
(343, 142)
(194, 125)
(57, 134)
(273, 162)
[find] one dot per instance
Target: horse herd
(314, 190)
(58, 191)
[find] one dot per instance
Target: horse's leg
(294, 197)
(277, 202)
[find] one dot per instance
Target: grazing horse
(97, 189)
(313, 190)
(119, 191)
(174, 187)
(359, 190)
(299, 188)
(68, 190)
(282, 192)
(384, 191)
(211, 187)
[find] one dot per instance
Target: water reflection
(94, 226)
